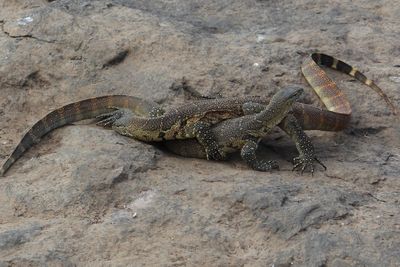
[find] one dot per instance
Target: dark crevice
(30, 36)
(365, 131)
(123, 176)
(35, 78)
(119, 58)
(32, 77)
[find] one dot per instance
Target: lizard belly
(140, 134)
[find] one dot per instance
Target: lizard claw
(274, 165)
(320, 163)
(301, 163)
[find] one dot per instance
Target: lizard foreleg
(203, 134)
(303, 143)
(248, 154)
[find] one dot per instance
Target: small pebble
(395, 79)
(24, 21)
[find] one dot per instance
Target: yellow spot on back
(353, 72)
(368, 82)
(334, 64)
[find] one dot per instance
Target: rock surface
(86, 195)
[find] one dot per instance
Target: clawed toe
(320, 163)
(108, 119)
(303, 163)
(274, 165)
(104, 123)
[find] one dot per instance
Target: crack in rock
(25, 35)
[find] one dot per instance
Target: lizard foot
(264, 165)
(214, 154)
(108, 119)
(202, 131)
(248, 154)
(301, 163)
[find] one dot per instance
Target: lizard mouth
(289, 94)
(294, 92)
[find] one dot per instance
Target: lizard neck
(273, 113)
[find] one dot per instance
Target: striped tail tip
(6, 166)
(394, 109)
(2, 172)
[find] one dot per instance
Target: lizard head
(279, 106)
(287, 96)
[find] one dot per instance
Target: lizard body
(178, 123)
(210, 111)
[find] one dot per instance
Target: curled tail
(81, 110)
(338, 112)
(326, 89)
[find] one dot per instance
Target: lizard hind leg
(111, 118)
(248, 154)
(202, 132)
(108, 119)
(303, 143)
(250, 108)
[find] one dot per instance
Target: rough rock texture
(86, 195)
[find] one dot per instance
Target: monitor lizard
(194, 119)
(244, 133)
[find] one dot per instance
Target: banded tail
(333, 98)
(81, 110)
(314, 118)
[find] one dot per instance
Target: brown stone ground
(87, 195)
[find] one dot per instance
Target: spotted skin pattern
(171, 125)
